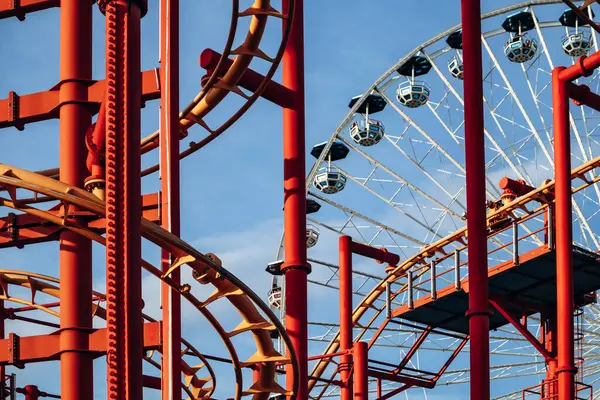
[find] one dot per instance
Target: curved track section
(523, 208)
(257, 319)
(199, 379)
(224, 79)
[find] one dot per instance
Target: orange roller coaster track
(113, 212)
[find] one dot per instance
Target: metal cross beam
(18, 110)
(18, 230)
(18, 8)
(17, 351)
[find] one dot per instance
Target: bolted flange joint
(471, 313)
(294, 265)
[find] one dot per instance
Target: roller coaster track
(256, 317)
(542, 195)
(193, 385)
(224, 80)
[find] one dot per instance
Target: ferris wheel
(392, 176)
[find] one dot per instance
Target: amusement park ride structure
(95, 196)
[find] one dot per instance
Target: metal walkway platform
(524, 289)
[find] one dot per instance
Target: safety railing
(508, 243)
(548, 390)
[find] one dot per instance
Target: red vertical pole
(76, 367)
(346, 337)
(549, 332)
(361, 371)
(478, 313)
(295, 266)
(170, 205)
(123, 200)
(564, 238)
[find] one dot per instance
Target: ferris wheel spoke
(370, 220)
(423, 133)
(390, 201)
(521, 173)
(431, 190)
(517, 100)
(453, 198)
(492, 140)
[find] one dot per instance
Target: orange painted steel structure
(557, 342)
(295, 266)
(117, 208)
(75, 251)
(478, 312)
(170, 189)
(106, 161)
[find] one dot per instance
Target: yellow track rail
(256, 317)
(195, 386)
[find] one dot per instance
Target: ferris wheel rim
(374, 87)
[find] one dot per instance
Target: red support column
(123, 200)
(564, 238)
(170, 204)
(346, 336)
(361, 371)
(76, 367)
(479, 312)
(549, 337)
(295, 266)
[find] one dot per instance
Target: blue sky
(232, 190)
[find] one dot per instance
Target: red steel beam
(455, 353)
(123, 208)
(478, 313)
(328, 355)
(413, 349)
(18, 110)
(391, 394)
(152, 382)
(18, 8)
(583, 67)
(28, 349)
(76, 366)
(18, 230)
(582, 95)
(250, 80)
(346, 335)
(361, 371)
(564, 235)
(295, 266)
(407, 380)
(380, 255)
(170, 203)
(522, 330)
